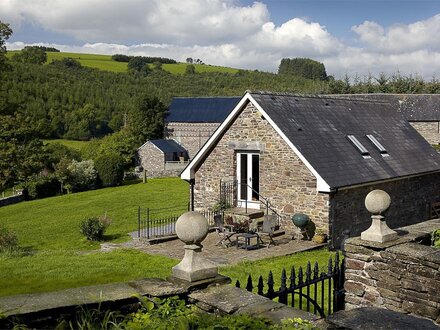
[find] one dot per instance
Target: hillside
(105, 63)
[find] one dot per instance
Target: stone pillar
(192, 228)
(377, 202)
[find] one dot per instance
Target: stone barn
(161, 158)
(192, 120)
(319, 156)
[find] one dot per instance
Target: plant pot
(319, 238)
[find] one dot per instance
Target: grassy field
(53, 223)
(59, 257)
(73, 144)
(57, 270)
(104, 62)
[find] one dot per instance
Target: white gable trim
(188, 173)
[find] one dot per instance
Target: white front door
(248, 179)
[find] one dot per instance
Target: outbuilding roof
(414, 107)
(168, 146)
(200, 109)
(344, 142)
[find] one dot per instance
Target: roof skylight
(378, 145)
(364, 152)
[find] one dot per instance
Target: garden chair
(225, 232)
(268, 229)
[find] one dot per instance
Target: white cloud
(223, 32)
(401, 38)
(157, 21)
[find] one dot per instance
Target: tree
(157, 65)
(190, 69)
(5, 33)
(189, 60)
(21, 151)
(303, 67)
(31, 54)
(67, 62)
(110, 169)
(146, 121)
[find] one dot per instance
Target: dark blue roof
(168, 146)
(201, 109)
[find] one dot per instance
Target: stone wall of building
(400, 275)
(429, 130)
(411, 199)
(284, 179)
(192, 136)
(151, 159)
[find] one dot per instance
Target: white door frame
(252, 203)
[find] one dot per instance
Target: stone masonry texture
(401, 275)
(284, 179)
(429, 130)
(153, 161)
(192, 136)
(410, 203)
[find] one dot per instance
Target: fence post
(148, 223)
(139, 222)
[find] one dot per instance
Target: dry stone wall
(284, 179)
(400, 275)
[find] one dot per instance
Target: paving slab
(368, 318)
(219, 254)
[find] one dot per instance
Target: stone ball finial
(192, 227)
(377, 201)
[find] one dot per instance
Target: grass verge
(57, 270)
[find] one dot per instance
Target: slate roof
(200, 109)
(168, 146)
(414, 107)
(318, 128)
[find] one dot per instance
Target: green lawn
(60, 257)
(53, 223)
(57, 270)
(73, 144)
(104, 62)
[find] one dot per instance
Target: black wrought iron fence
(152, 223)
(321, 293)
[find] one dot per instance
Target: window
(364, 152)
(377, 144)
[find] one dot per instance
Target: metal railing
(228, 191)
(151, 225)
(320, 293)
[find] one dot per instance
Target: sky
(351, 37)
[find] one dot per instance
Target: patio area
(218, 253)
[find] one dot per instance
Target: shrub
(435, 238)
(93, 228)
(8, 240)
(82, 175)
(110, 169)
(41, 186)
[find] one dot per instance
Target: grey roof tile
(326, 122)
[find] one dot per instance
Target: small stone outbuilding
(319, 156)
(162, 158)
